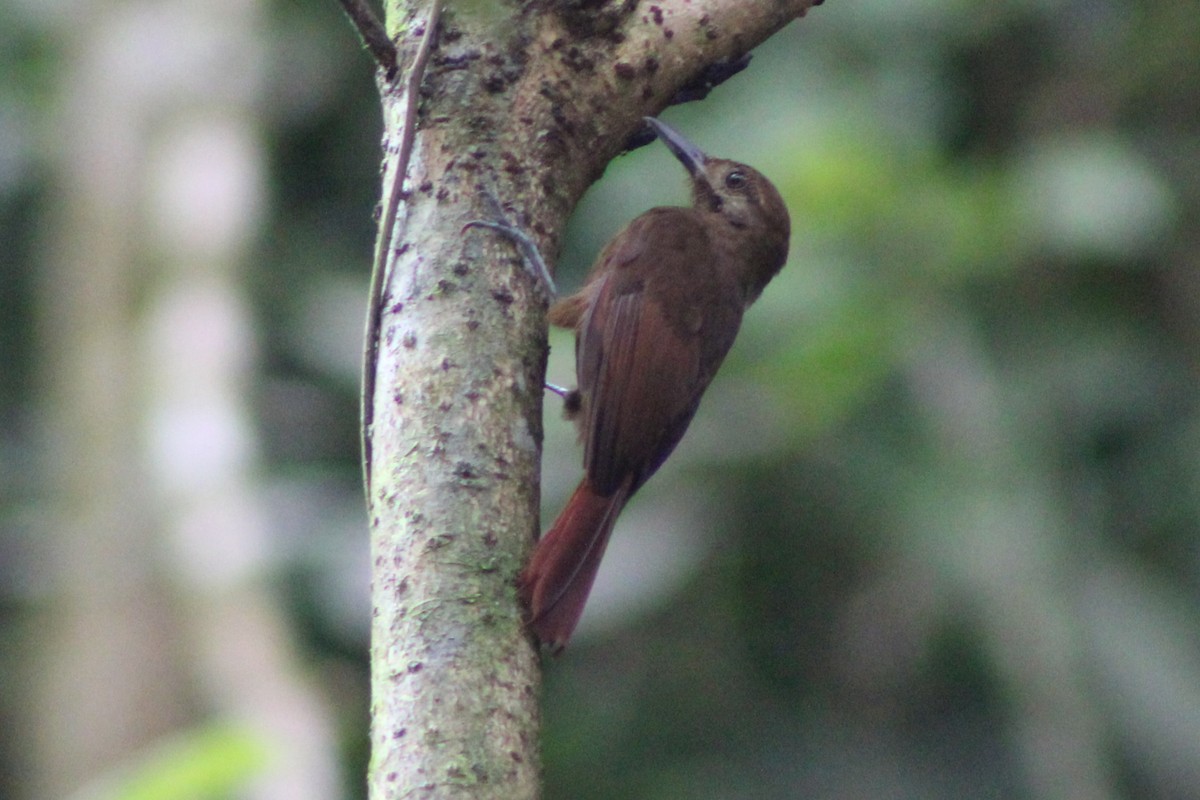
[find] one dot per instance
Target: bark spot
(511, 165)
(494, 83)
(576, 59)
(560, 117)
(439, 541)
(459, 61)
(465, 470)
(625, 72)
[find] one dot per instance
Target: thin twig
(373, 34)
(388, 232)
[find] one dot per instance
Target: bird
(653, 321)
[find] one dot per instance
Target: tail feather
(556, 583)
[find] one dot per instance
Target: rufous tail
(556, 583)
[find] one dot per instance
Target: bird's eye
(735, 180)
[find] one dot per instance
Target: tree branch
(372, 33)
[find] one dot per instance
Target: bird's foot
(526, 246)
(572, 400)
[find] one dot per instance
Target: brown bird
(659, 311)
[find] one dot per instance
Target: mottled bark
(529, 102)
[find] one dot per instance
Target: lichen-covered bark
(529, 102)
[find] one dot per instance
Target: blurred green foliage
(214, 762)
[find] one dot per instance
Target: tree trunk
(528, 103)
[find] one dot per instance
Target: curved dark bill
(689, 155)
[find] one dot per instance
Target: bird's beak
(689, 155)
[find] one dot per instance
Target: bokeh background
(933, 533)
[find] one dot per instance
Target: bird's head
(741, 195)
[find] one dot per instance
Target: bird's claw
(534, 263)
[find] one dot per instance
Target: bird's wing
(642, 368)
